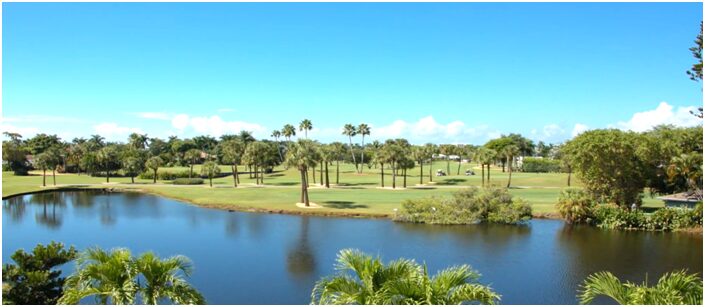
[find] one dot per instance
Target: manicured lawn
(356, 194)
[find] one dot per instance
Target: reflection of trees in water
(628, 254)
(231, 224)
(491, 238)
(14, 207)
(300, 258)
(85, 199)
(48, 214)
(107, 213)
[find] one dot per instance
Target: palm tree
(137, 141)
(430, 151)
(107, 156)
(288, 131)
(305, 126)
(302, 156)
(109, 277)
(232, 154)
(133, 165)
(510, 152)
(42, 161)
(447, 150)
(210, 169)
(192, 155)
(675, 288)
(164, 279)
(482, 156)
(338, 149)
(114, 277)
(365, 280)
(350, 131)
(363, 129)
(154, 163)
(276, 134)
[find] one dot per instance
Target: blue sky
(452, 72)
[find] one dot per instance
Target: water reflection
(300, 259)
(15, 208)
(49, 216)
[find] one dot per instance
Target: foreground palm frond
(675, 288)
(401, 282)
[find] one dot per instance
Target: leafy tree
(419, 154)
(575, 206)
(53, 156)
(154, 163)
(210, 169)
(133, 165)
(447, 150)
(431, 149)
(15, 155)
(137, 141)
(205, 143)
(305, 126)
(108, 159)
(696, 72)
(32, 280)
(690, 167)
(364, 280)
(302, 156)
(41, 142)
(112, 277)
(393, 153)
(246, 137)
(351, 131)
(485, 156)
(510, 152)
(288, 131)
(42, 161)
(338, 150)
(363, 129)
(675, 288)
(276, 134)
(89, 162)
(608, 165)
(232, 151)
(192, 156)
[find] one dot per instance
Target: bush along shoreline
(578, 207)
(469, 206)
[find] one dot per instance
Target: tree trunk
(460, 159)
(394, 175)
(210, 180)
(569, 171)
(44, 178)
(352, 153)
(503, 163)
(232, 167)
(482, 165)
(362, 155)
(509, 183)
(261, 175)
(404, 172)
(306, 177)
(155, 176)
(107, 173)
(337, 172)
(133, 179)
(237, 175)
(53, 176)
(327, 180)
(488, 175)
(430, 171)
(190, 172)
(381, 171)
(421, 172)
(313, 174)
(303, 185)
(321, 173)
(447, 166)
(306, 200)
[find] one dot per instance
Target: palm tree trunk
(155, 176)
(448, 166)
(488, 174)
(107, 173)
(314, 175)
(404, 172)
(306, 200)
(133, 179)
(327, 181)
(210, 180)
(279, 150)
(303, 185)
(482, 165)
(509, 183)
(421, 172)
(381, 171)
(362, 154)
(44, 178)
(337, 172)
(261, 175)
(53, 176)
(352, 153)
(394, 175)
(321, 173)
(569, 171)
(306, 177)
(460, 158)
(430, 171)
(190, 172)
(232, 168)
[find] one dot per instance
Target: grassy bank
(357, 194)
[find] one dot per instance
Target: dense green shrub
(613, 217)
(538, 165)
(165, 175)
(469, 206)
(186, 181)
(576, 206)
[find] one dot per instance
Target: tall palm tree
(302, 156)
(276, 134)
(482, 156)
(510, 152)
(288, 131)
(107, 157)
(675, 288)
(447, 150)
(363, 129)
(232, 154)
(431, 150)
(164, 279)
(350, 131)
(365, 280)
(137, 141)
(192, 155)
(338, 150)
(305, 126)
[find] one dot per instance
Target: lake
(253, 258)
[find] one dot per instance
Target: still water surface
(251, 258)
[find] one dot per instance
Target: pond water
(252, 258)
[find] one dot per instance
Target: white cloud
(154, 115)
(427, 129)
(662, 115)
(213, 125)
(578, 129)
(549, 131)
(113, 131)
(24, 131)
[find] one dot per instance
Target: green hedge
(185, 181)
(166, 175)
(537, 165)
(469, 206)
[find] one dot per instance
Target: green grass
(357, 193)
